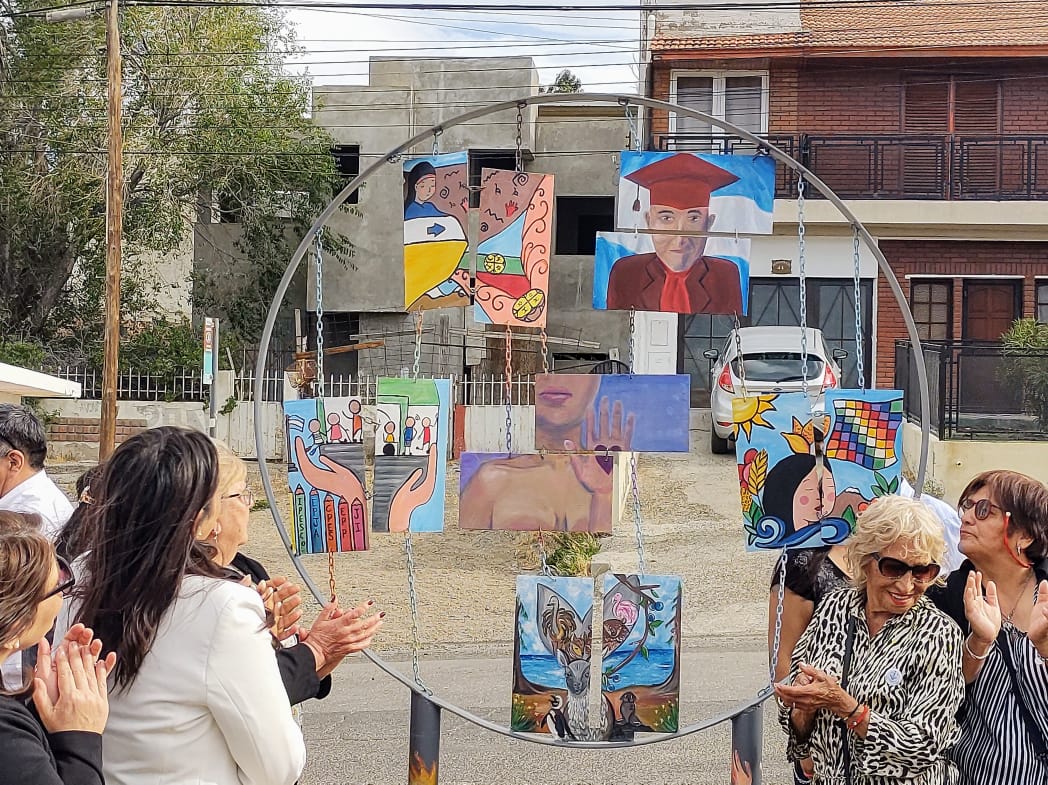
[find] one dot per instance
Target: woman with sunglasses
(876, 677)
(306, 657)
(999, 597)
(196, 694)
(62, 741)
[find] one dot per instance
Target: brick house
(930, 119)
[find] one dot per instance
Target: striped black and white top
(909, 674)
(995, 746)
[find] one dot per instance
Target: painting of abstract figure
(551, 656)
(862, 448)
(436, 206)
(516, 226)
(787, 494)
(671, 273)
(615, 412)
(411, 446)
(536, 492)
(326, 475)
(640, 652)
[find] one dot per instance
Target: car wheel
(718, 446)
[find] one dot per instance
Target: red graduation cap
(681, 181)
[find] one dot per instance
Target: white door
(655, 346)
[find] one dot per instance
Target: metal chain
(436, 141)
(520, 137)
(633, 143)
(638, 531)
(801, 260)
(318, 250)
(416, 637)
(777, 636)
(545, 349)
(633, 339)
(417, 358)
(544, 568)
(508, 372)
(738, 355)
(858, 312)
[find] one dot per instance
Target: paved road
(359, 733)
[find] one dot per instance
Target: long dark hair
(26, 561)
(782, 483)
(419, 171)
(71, 541)
(141, 539)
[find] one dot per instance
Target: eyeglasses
(893, 569)
(66, 580)
(247, 497)
(982, 508)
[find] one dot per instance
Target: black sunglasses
(982, 508)
(66, 580)
(893, 569)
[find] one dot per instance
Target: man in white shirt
(24, 485)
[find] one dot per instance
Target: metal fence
(977, 390)
(184, 384)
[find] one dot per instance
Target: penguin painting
(556, 722)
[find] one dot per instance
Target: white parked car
(772, 361)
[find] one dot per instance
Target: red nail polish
(370, 603)
(382, 615)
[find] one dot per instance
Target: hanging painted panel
(671, 273)
(411, 452)
(536, 492)
(516, 231)
(615, 412)
(781, 480)
(326, 474)
(863, 448)
(640, 652)
(551, 656)
(436, 206)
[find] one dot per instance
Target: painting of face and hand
(660, 259)
(792, 496)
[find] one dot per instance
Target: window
(347, 164)
(1042, 302)
(738, 97)
(579, 218)
(478, 160)
(931, 303)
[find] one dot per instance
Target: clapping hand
(282, 599)
(337, 633)
(983, 613)
(70, 689)
(813, 689)
(1038, 631)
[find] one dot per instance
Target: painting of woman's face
(562, 400)
(807, 501)
(425, 188)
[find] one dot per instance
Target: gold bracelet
(975, 656)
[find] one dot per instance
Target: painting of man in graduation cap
(678, 276)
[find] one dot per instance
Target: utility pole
(114, 233)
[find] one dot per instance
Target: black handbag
(849, 645)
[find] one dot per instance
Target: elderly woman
(307, 657)
(999, 597)
(876, 676)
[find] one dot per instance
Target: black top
(298, 665)
(29, 755)
(810, 573)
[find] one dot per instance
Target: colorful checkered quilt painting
(865, 427)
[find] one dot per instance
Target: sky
(597, 46)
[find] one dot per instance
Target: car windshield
(777, 367)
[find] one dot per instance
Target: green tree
(566, 82)
(210, 116)
(1025, 365)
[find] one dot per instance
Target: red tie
(674, 297)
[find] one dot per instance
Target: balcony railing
(975, 390)
(901, 166)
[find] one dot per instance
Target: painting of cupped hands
(411, 447)
(640, 653)
(612, 413)
(325, 445)
(513, 253)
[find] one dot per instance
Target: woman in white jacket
(196, 695)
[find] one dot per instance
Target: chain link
(633, 142)
(520, 137)
(801, 261)
(739, 357)
(633, 340)
(545, 349)
(436, 141)
(508, 373)
(417, 357)
(858, 312)
(638, 530)
(416, 637)
(544, 568)
(318, 250)
(777, 636)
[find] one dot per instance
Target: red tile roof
(901, 25)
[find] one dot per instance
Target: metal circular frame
(519, 103)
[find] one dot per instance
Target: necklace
(1022, 593)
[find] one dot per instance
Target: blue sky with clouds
(598, 46)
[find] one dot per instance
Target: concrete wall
(738, 17)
